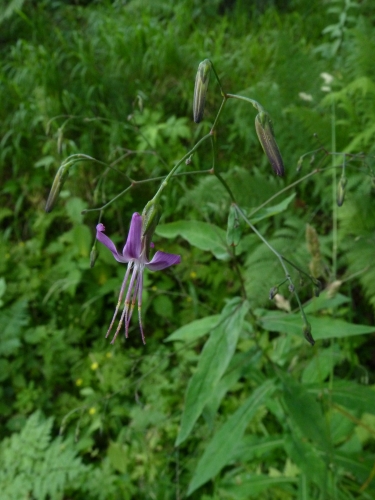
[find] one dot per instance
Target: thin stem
(144, 181)
(218, 114)
(334, 195)
(281, 260)
(256, 104)
(227, 188)
(171, 173)
(284, 190)
(218, 79)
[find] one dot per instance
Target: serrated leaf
(213, 361)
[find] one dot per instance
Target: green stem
(218, 115)
(171, 173)
(144, 181)
(334, 195)
(256, 104)
(218, 79)
(281, 260)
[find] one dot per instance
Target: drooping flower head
(135, 254)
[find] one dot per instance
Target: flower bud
(264, 129)
(200, 89)
(341, 191)
(57, 185)
(150, 219)
(307, 333)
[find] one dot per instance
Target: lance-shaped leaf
(266, 136)
(200, 89)
(221, 449)
(213, 362)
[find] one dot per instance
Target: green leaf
(321, 364)
(305, 412)
(264, 213)
(354, 396)
(253, 447)
(221, 448)
(321, 328)
(307, 457)
(213, 361)
(254, 484)
(325, 302)
(199, 234)
(195, 329)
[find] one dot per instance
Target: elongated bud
(234, 229)
(57, 185)
(150, 219)
(266, 136)
(307, 333)
(341, 191)
(200, 89)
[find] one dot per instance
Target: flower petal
(132, 248)
(108, 243)
(162, 260)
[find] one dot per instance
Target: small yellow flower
(154, 288)
(108, 355)
(193, 275)
(79, 382)
(188, 299)
(94, 366)
(92, 410)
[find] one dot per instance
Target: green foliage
(257, 413)
(34, 465)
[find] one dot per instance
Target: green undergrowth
(227, 400)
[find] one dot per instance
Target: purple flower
(135, 254)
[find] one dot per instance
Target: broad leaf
(199, 234)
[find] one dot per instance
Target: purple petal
(132, 248)
(108, 243)
(162, 260)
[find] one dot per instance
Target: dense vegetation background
(265, 414)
